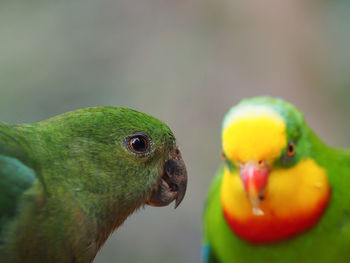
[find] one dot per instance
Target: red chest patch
(266, 229)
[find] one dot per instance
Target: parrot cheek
(172, 183)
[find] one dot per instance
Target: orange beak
(254, 176)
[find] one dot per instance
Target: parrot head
(115, 160)
(272, 187)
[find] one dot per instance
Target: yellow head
(253, 133)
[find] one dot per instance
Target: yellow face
(254, 133)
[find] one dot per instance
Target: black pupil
(291, 148)
(138, 144)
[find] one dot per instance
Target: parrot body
(281, 194)
(68, 182)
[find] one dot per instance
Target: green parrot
(68, 182)
(280, 195)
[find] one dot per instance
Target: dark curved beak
(172, 183)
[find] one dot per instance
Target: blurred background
(186, 62)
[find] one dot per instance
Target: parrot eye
(291, 149)
(139, 143)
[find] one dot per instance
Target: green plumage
(328, 241)
(68, 182)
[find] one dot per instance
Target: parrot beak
(254, 176)
(173, 182)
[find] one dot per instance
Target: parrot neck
(295, 200)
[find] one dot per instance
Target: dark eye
(291, 149)
(139, 144)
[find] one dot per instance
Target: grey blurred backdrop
(184, 61)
